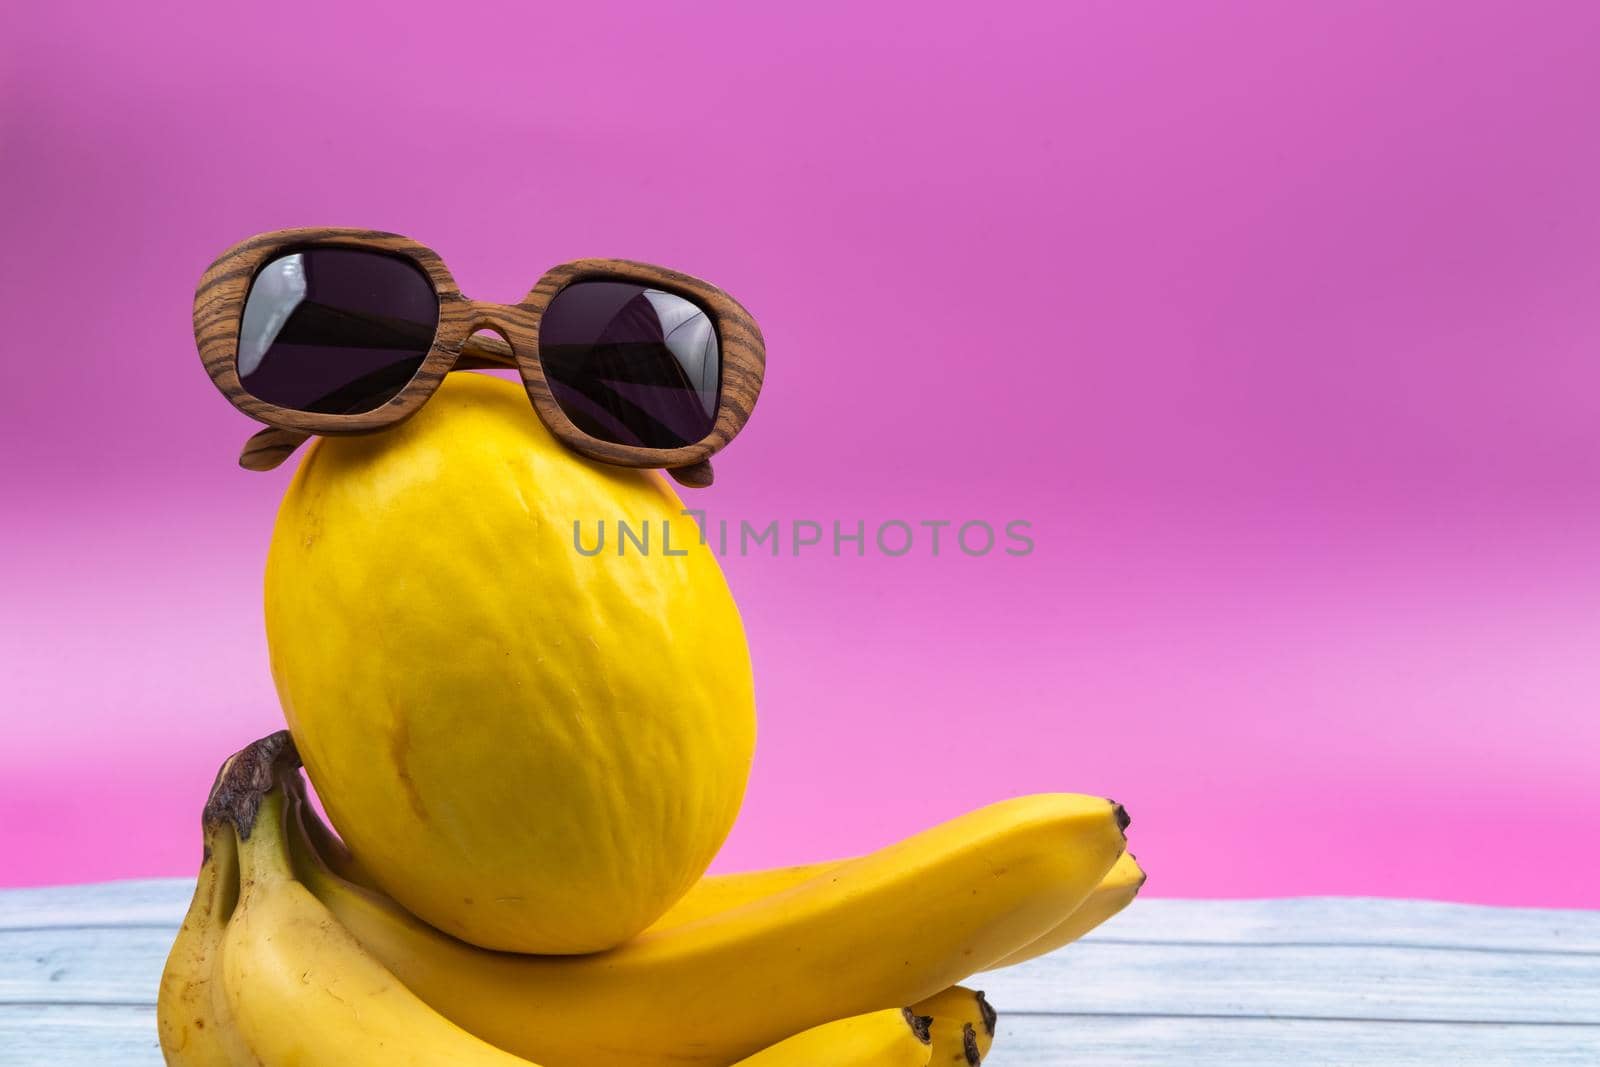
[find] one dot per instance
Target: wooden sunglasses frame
(457, 345)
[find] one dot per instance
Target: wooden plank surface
(1307, 981)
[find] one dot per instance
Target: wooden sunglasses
(344, 331)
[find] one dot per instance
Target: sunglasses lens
(335, 330)
(631, 364)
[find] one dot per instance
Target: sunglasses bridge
(492, 335)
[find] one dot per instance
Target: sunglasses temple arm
(269, 448)
(694, 476)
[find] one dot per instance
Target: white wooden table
(1310, 981)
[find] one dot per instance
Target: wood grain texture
(219, 304)
(1165, 983)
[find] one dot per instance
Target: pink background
(1280, 322)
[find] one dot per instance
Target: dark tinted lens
(631, 364)
(335, 330)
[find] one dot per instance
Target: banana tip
(1123, 819)
(921, 1025)
(987, 1013)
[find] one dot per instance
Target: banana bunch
(289, 955)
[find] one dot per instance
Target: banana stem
(248, 799)
(246, 778)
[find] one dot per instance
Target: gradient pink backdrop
(1280, 322)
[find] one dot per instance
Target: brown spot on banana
(969, 1045)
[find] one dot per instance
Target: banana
(294, 987)
(714, 894)
(1115, 892)
(718, 893)
(265, 977)
(258, 947)
(895, 1037)
(191, 1032)
(902, 923)
(196, 1033)
(963, 1026)
(192, 1018)
(300, 990)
